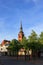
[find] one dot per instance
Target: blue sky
(12, 12)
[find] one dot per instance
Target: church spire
(21, 29)
(21, 33)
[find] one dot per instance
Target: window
(1, 49)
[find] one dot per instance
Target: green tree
(24, 45)
(33, 37)
(33, 42)
(24, 42)
(41, 38)
(14, 46)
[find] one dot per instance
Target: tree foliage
(33, 42)
(41, 38)
(33, 37)
(14, 45)
(24, 43)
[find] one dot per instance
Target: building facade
(3, 47)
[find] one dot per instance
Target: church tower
(21, 34)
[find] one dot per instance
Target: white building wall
(3, 48)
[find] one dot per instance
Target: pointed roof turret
(21, 33)
(21, 29)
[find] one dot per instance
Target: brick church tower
(21, 34)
